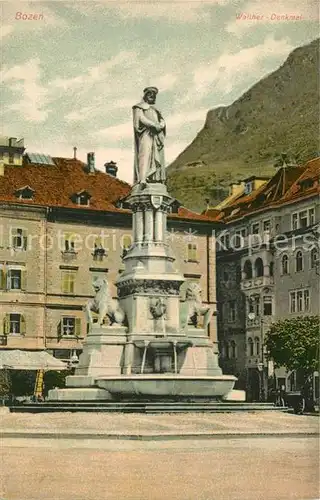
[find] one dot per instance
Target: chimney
(90, 163)
(75, 153)
(236, 188)
(12, 141)
(111, 168)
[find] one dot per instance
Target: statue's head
(193, 291)
(99, 283)
(150, 94)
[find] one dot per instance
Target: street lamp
(260, 366)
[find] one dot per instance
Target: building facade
(62, 225)
(267, 269)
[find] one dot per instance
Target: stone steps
(145, 407)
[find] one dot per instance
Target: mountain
(278, 114)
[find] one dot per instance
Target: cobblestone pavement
(269, 468)
(119, 423)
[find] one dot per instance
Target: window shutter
(24, 239)
(22, 325)
(6, 324)
(23, 279)
(64, 283)
(2, 279)
(59, 330)
(14, 234)
(78, 327)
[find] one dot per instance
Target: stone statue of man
(149, 132)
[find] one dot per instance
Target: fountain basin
(168, 385)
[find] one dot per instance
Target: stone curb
(152, 436)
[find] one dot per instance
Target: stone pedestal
(158, 353)
(102, 356)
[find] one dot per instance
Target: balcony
(261, 281)
(261, 322)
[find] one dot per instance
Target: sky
(71, 76)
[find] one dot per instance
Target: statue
(193, 307)
(158, 310)
(149, 132)
(103, 304)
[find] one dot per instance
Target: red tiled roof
(285, 186)
(56, 185)
(308, 182)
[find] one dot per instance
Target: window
(248, 187)
(267, 305)
(15, 279)
(285, 264)
(233, 349)
(303, 219)
(68, 281)
(192, 252)
(300, 301)
(223, 241)
(257, 345)
(240, 235)
(250, 346)
(299, 261)
(266, 225)
(11, 158)
(14, 324)
(83, 200)
(98, 251)
(258, 267)
(255, 228)
(69, 242)
(19, 239)
(70, 326)
(247, 269)
(25, 193)
(254, 305)
(314, 258)
(232, 310)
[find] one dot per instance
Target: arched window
(233, 349)
(258, 267)
(285, 264)
(314, 258)
(299, 261)
(250, 346)
(257, 344)
(247, 269)
(222, 350)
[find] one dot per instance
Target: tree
(294, 344)
(5, 383)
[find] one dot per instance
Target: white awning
(29, 360)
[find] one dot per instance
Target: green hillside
(280, 113)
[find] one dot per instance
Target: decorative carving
(193, 307)
(148, 287)
(103, 304)
(156, 201)
(157, 307)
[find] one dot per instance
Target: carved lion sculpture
(193, 307)
(103, 304)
